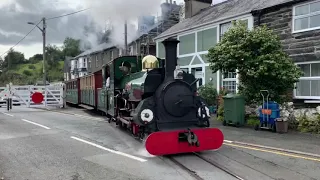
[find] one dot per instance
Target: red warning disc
(37, 97)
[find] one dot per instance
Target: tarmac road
(38, 144)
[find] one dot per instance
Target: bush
(209, 94)
(220, 112)
(309, 125)
(27, 73)
(31, 66)
(252, 121)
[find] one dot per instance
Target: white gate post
(29, 97)
(45, 96)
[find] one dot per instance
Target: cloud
(16, 13)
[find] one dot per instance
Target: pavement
(75, 144)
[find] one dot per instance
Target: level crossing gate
(51, 95)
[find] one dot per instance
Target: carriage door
(198, 74)
(110, 92)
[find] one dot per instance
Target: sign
(37, 97)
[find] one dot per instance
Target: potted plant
(209, 93)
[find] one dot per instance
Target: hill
(30, 73)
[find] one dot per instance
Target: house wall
(299, 31)
(193, 48)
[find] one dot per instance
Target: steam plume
(116, 12)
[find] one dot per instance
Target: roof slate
(219, 12)
(96, 49)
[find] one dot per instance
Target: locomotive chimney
(170, 45)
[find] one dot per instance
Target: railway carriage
(73, 92)
(155, 100)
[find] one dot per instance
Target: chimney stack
(171, 60)
(192, 7)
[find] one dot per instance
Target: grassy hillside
(24, 74)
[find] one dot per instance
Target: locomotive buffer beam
(189, 137)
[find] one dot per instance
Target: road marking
(7, 114)
(273, 148)
(274, 152)
(110, 150)
(35, 124)
(227, 141)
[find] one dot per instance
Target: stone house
(296, 21)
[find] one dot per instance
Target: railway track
(194, 174)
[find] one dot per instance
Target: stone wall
(304, 46)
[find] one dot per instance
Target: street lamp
(43, 30)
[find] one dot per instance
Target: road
(38, 144)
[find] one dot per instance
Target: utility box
(234, 110)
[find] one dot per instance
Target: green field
(24, 74)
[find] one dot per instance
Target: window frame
(310, 78)
(304, 16)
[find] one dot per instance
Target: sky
(16, 13)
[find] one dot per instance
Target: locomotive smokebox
(170, 45)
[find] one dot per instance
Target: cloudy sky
(16, 13)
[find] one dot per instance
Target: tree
(54, 55)
(259, 59)
(12, 59)
(36, 58)
(71, 47)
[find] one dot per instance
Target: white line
(227, 141)
(110, 150)
(8, 114)
(35, 123)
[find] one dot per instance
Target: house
(296, 22)
(144, 44)
(298, 25)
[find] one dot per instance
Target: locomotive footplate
(189, 137)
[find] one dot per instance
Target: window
(111, 55)
(224, 28)
(161, 50)
(131, 50)
(306, 17)
(229, 81)
(97, 60)
(187, 44)
(309, 83)
(84, 63)
(206, 39)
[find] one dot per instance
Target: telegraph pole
(126, 37)
(44, 51)
(43, 30)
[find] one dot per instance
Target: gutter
(200, 25)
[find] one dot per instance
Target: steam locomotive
(154, 99)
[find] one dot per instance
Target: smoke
(113, 14)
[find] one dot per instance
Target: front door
(198, 74)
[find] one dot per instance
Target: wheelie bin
(234, 110)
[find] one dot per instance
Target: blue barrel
(275, 112)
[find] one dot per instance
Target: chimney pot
(175, 2)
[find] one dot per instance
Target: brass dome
(150, 62)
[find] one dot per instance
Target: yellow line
(274, 152)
